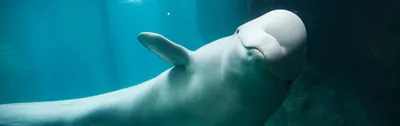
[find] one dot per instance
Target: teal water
(64, 49)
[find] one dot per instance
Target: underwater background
(62, 49)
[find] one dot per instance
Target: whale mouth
(256, 48)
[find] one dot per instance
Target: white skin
(239, 80)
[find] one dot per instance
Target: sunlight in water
(134, 1)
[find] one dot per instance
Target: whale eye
(237, 31)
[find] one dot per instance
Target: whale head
(249, 72)
(280, 36)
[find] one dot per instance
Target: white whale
(239, 80)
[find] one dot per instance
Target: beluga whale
(237, 80)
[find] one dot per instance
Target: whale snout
(280, 35)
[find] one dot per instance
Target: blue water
(61, 49)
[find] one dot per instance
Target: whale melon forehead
(288, 31)
(286, 27)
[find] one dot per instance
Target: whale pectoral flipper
(171, 52)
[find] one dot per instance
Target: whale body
(238, 80)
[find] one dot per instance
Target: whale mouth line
(258, 50)
(249, 48)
